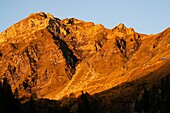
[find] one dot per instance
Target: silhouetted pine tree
(8, 103)
(84, 104)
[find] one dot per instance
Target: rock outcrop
(53, 58)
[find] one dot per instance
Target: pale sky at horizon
(145, 16)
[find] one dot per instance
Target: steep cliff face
(53, 58)
(33, 58)
(35, 65)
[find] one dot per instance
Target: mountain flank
(70, 64)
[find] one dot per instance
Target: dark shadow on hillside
(132, 97)
(71, 59)
(149, 94)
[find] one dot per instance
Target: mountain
(117, 70)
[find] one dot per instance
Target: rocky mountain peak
(54, 58)
(33, 23)
(121, 26)
(123, 29)
(40, 16)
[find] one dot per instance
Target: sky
(145, 16)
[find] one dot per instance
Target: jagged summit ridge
(28, 26)
(37, 21)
